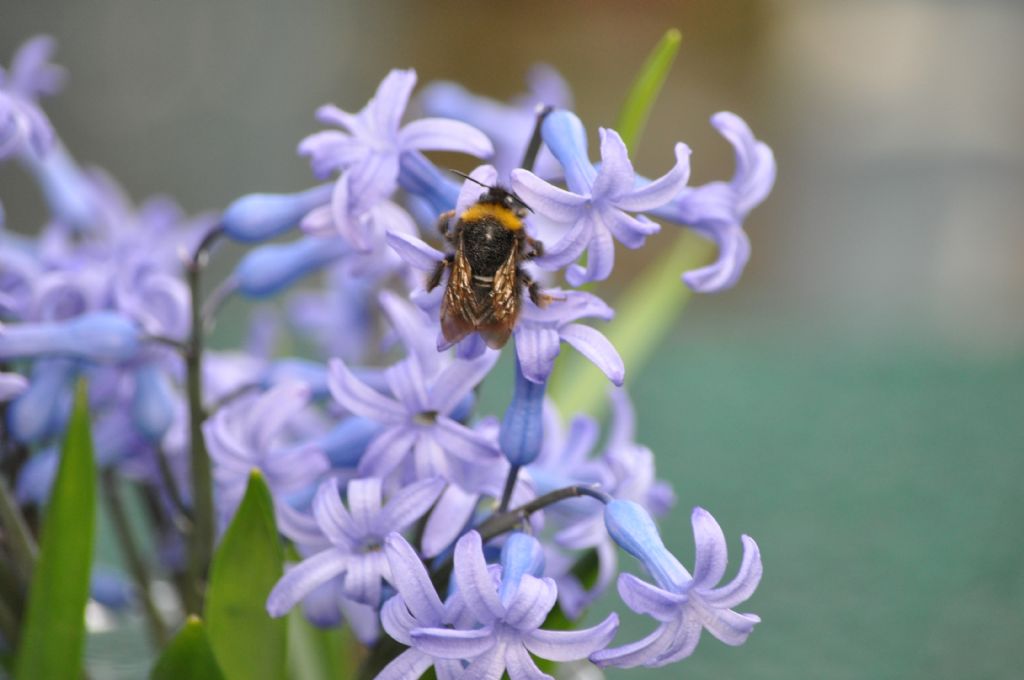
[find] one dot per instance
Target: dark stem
(230, 396)
(133, 556)
(177, 345)
(17, 535)
(201, 539)
(533, 148)
(183, 518)
(501, 522)
(510, 485)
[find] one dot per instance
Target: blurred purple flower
(507, 125)
(252, 433)
(23, 125)
(717, 210)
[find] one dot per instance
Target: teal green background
(856, 404)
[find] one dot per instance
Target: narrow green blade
(188, 655)
(54, 631)
(646, 88)
(248, 644)
(644, 315)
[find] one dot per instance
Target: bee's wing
(458, 307)
(506, 298)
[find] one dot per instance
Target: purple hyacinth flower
(417, 420)
(597, 201)
(40, 411)
(508, 125)
(23, 125)
(252, 433)
(269, 269)
(541, 331)
(508, 619)
(417, 606)
(682, 604)
(97, 336)
(717, 210)
(260, 217)
(356, 536)
(368, 153)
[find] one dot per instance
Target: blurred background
(856, 404)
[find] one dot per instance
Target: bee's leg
(435, 277)
(442, 224)
(536, 248)
(539, 298)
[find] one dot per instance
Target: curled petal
(548, 200)
(725, 271)
(755, 162)
(303, 578)
(600, 257)
(450, 516)
(629, 231)
(746, 581)
(411, 580)
(571, 246)
(442, 134)
(474, 580)
(386, 451)
(408, 665)
(596, 348)
(411, 503)
(569, 645)
(332, 517)
(359, 398)
(414, 251)
(532, 602)
(711, 555)
(662, 190)
(616, 174)
(643, 651)
(453, 644)
(643, 598)
(683, 643)
(459, 379)
(363, 497)
(536, 348)
(730, 627)
(386, 108)
(520, 666)
(11, 385)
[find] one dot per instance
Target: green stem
(201, 543)
(136, 565)
(16, 533)
(499, 523)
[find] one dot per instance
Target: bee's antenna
(516, 196)
(486, 186)
(462, 174)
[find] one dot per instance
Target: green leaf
(646, 88)
(644, 314)
(249, 645)
(54, 631)
(317, 654)
(188, 655)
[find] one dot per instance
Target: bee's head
(497, 195)
(507, 199)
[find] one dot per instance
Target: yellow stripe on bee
(506, 217)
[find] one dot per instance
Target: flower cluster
(454, 532)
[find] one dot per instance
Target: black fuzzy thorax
(486, 244)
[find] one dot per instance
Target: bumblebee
(486, 280)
